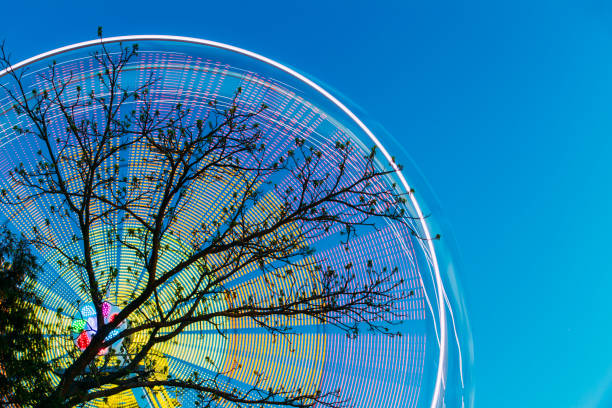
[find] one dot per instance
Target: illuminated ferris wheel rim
(437, 397)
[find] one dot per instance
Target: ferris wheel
(422, 368)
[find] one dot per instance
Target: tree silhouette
(185, 276)
(23, 366)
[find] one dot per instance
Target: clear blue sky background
(506, 109)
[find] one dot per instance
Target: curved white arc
(436, 401)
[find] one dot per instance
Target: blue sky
(505, 108)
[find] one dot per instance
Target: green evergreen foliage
(23, 366)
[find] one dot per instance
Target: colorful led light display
(106, 309)
(78, 325)
(84, 330)
(83, 340)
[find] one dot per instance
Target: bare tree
(276, 208)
